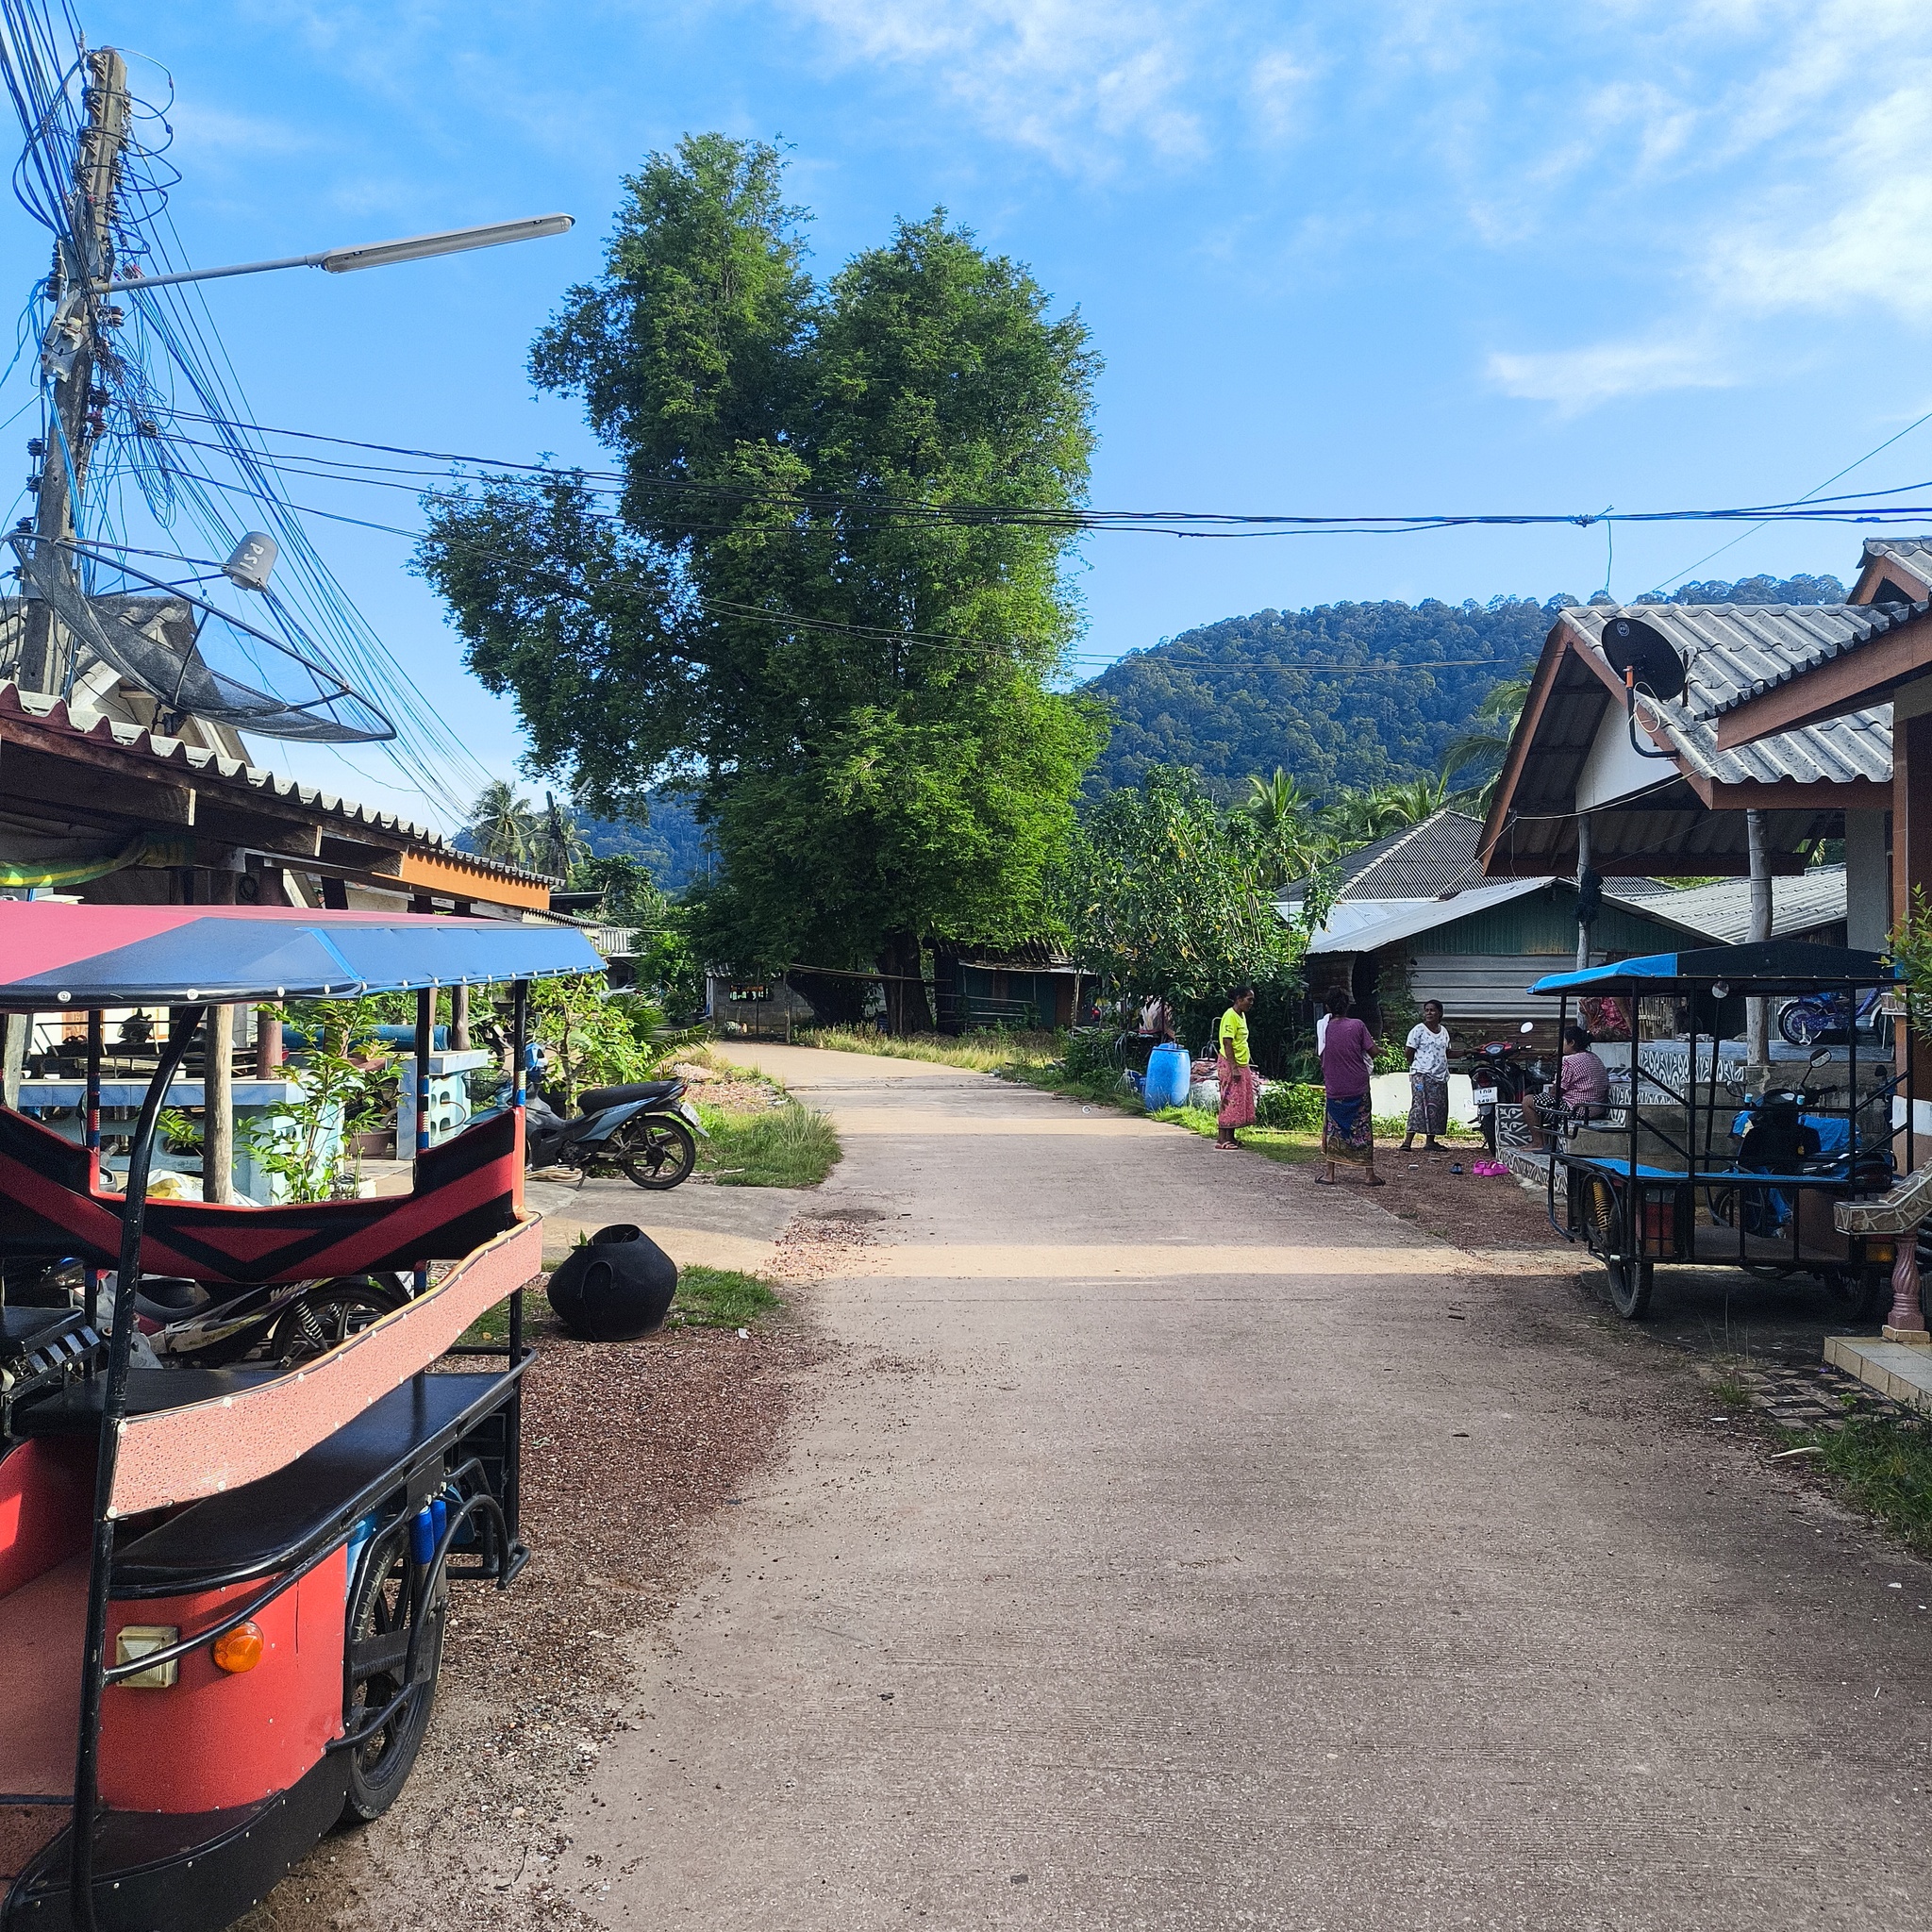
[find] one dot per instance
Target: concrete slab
(1325, 1588)
(1898, 1370)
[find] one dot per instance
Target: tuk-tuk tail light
(240, 1648)
(1880, 1251)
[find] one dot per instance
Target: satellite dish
(251, 561)
(1632, 645)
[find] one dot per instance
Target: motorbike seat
(595, 1099)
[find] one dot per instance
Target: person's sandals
(1376, 1180)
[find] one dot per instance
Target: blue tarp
(1772, 966)
(82, 957)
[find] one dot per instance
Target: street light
(342, 261)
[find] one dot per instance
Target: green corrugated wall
(1545, 922)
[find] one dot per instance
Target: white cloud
(1574, 380)
(1081, 82)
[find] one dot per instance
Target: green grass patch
(1885, 1464)
(789, 1147)
(721, 1298)
(984, 1050)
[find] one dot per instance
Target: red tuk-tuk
(222, 1589)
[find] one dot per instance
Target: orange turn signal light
(240, 1648)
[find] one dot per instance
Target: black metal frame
(1633, 1187)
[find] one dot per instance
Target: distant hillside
(1249, 693)
(671, 845)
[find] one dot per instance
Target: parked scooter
(646, 1131)
(1500, 1074)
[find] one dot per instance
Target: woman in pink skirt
(1233, 1066)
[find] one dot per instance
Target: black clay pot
(616, 1288)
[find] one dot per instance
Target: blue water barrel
(1167, 1076)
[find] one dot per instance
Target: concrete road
(1170, 1544)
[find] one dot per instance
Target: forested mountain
(1289, 687)
(673, 845)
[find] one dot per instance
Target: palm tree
(1291, 834)
(1412, 801)
(1481, 749)
(502, 824)
(557, 845)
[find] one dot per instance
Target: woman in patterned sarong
(1235, 1069)
(1348, 1124)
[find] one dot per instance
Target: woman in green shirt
(1236, 1073)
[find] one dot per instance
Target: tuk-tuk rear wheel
(381, 1618)
(1630, 1285)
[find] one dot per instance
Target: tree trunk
(901, 961)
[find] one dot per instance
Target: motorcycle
(646, 1131)
(1820, 1016)
(1776, 1134)
(1499, 1078)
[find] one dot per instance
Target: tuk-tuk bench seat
(271, 1524)
(75, 1409)
(42, 1625)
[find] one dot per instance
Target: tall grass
(789, 1147)
(982, 1051)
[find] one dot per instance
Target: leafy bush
(1295, 1109)
(1089, 1054)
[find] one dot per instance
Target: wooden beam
(1788, 794)
(1853, 682)
(446, 873)
(1541, 686)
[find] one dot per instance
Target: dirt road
(1171, 1543)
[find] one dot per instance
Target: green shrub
(1089, 1054)
(1296, 1109)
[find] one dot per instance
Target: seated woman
(1582, 1092)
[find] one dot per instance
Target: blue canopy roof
(1768, 967)
(55, 955)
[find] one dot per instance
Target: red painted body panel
(212, 1741)
(46, 1502)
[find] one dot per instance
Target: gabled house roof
(1894, 570)
(1668, 796)
(1421, 862)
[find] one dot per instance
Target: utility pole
(70, 352)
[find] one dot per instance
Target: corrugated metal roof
(1421, 862)
(1733, 651)
(1916, 551)
(209, 766)
(1363, 924)
(1814, 898)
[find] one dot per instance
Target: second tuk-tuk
(1700, 1158)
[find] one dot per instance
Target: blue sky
(1361, 257)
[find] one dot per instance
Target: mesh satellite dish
(1640, 652)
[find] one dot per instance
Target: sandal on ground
(1376, 1180)
(1322, 1180)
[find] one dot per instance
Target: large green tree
(798, 609)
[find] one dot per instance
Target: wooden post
(217, 1077)
(13, 1056)
(1582, 867)
(460, 1019)
(268, 1043)
(1756, 1011)
(218, 1107)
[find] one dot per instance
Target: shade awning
(54, 956)
(1769, 968)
